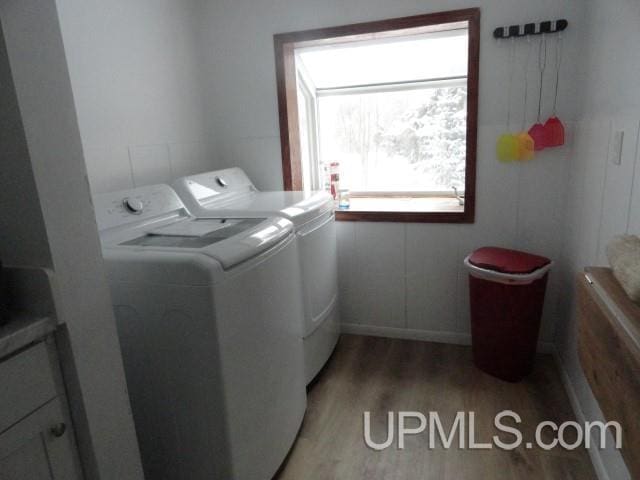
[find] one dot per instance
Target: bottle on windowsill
(345, 200)
(334, 171)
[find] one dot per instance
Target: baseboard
(594, 453)
(407, 334)
(436, 336)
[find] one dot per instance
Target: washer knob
(222, 182)
(133, 205)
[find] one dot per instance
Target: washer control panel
(133, 205)
(217, 184)
(139, 204)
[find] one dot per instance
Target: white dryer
(230, 192)
(212, 353)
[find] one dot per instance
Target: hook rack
(531, 29)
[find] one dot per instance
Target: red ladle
(538, 132)
(554, 128)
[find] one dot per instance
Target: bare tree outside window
(384, 114)
(412, 140)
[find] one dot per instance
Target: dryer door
(318, 254)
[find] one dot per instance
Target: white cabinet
(39, 447)
(36, 438)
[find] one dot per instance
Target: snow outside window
(392, 113)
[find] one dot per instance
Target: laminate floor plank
(380, 375)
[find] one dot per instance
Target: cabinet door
(39, 447)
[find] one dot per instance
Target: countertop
(22, 330)
(616, 301)
(609, 351)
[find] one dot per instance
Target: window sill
(406, 209)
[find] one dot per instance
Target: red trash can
(507, 289)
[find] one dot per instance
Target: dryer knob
(133, 205)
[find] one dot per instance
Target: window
(392, 107)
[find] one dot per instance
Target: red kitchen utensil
(538, 132)
(539, 135)
(553, 126)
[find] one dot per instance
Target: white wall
(604, 199)
(55, 204)
(137, 85)
(168, 88)
(400, 279)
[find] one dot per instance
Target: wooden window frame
(285, 44)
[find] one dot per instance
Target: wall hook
(528, 29)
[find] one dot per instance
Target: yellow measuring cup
(507, 146)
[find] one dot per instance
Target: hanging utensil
(507, 144)
(553, 126)
(537, 131)
(525, 142)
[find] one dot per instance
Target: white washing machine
(212, 351)
(230, 192)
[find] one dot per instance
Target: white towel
(623, 252)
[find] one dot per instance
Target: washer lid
(503, 260)
(231, 193)
(190, 233)
(229, 241)
(299, 207)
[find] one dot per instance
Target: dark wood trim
(284, 44)
(405, 217)
(389, 25)
(473, 92)
(288, 109)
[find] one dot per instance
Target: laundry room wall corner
(52, 166)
